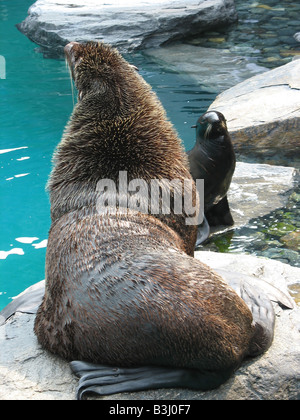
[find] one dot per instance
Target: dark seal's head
(211, 126)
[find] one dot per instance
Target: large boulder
(263, 114)
(127, 25)
(29, 372)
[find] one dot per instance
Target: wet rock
(286, 256)
(292, 240)
(259, 29)
(258, 189)
(263, 114)
(29, 372)
(281, 228)
(127, 25)
(295, 197)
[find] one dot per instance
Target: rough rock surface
(263, 113)
(258, 189)
(29, 372)
(127, 25)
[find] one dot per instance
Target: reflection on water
(184, 100)
(265, 32)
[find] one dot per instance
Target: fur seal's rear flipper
(107, 380)
(26, 302)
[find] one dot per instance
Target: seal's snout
(68, 48)
(70, 57)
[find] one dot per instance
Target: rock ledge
(127, 25)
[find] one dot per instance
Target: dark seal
(213, 160)
(125, 300)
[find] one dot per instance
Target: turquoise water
(35, 104)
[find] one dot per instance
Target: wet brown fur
(124, 289)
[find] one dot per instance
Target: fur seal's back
(122, 287)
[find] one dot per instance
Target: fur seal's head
(211, 126)
(100, 70)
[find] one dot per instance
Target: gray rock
(258, 189)
(263, 113)
(26, 370)
(29, 372)
(127, 25)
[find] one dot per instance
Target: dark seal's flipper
(202, 232)
(220, 215)
(26, 302)
(106, 380)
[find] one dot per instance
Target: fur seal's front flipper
(107, 380)
(258, 294)
(26, 302)
(263, 318)
(272, 292)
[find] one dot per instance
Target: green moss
(280, 228)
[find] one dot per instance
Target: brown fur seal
(213, 160)
(122, 288)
